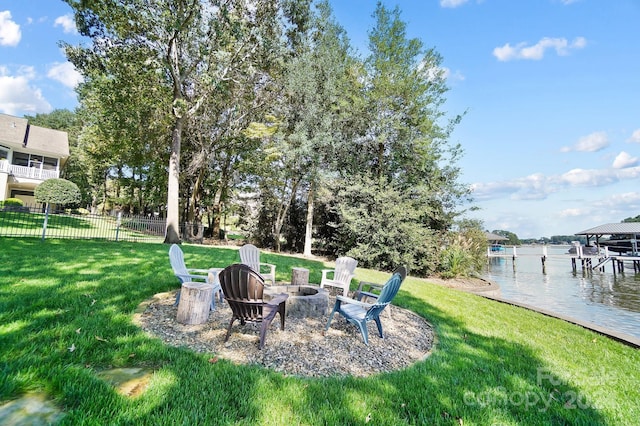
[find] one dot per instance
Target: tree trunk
(173, 191)
(308, 235)
(196, 196)
(195, 303)
(220, 196)
(282, 214)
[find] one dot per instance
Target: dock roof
(495, 237)
(613, 228)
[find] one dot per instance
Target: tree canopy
(196, 109)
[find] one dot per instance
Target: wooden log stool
(299, 276)
(195, 302)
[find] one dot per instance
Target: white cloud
(624, 200)
(594, 142)
(66, 74)
(573, 212)
(453, 75)
(624, 160)
(538, 186)
(17, 94)
(537, 51)
(432, 73)
(452, 3)
(67, 23)
(10, 34)
(635, 136)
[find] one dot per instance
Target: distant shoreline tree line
(199, 110)
(512, 239)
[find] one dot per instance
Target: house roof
(12, 130)
(613, 228)
(18, 134)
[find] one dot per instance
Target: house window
(20, 159)
(35, 161)
(32, 160)
(50, 163)
(4, 153)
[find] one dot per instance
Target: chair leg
(379, 324)
(177, 298)
(229, 329)
(213, 299)
(335, 308)
(363, 330)
(282, 311)
(263, 332)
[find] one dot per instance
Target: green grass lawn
(492, 363)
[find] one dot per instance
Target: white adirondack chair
(340, 276)
(250, 256)
(184, 274)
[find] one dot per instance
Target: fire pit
(304, 300)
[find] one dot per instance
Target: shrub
(12, 202)
(78, 211)
(463, 255)
(13, 205)
(58, 191)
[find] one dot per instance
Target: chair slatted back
(176, 258)
(388, 292)
(250, 256)
(243, 288)
(345, 268)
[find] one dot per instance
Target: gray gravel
(303, 348)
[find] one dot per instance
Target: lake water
(603, 298)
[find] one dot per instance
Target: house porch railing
(38, 173)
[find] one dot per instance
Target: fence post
(118, 224)
(46, 219)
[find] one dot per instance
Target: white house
(29, 155)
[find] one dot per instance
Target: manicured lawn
(493, 363)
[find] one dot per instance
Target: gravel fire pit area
(302, 348)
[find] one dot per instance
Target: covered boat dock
(623, 240)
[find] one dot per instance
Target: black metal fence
(22, 221)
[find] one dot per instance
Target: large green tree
(312, 81)
(193, 44)
(401, 148)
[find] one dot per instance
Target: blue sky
(551, 91)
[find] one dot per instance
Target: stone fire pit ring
(304, 300)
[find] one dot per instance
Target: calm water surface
(605, 299)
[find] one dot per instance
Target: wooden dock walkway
(588, 262)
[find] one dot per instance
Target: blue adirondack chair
(359, 313)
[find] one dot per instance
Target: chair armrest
(325, 272)
(277, 299)
(272, 268)
(187, 277)
(370, 285)
(359, 294)
(353, 301)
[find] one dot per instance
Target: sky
(549, 89)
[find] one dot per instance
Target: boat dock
(587, 262)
